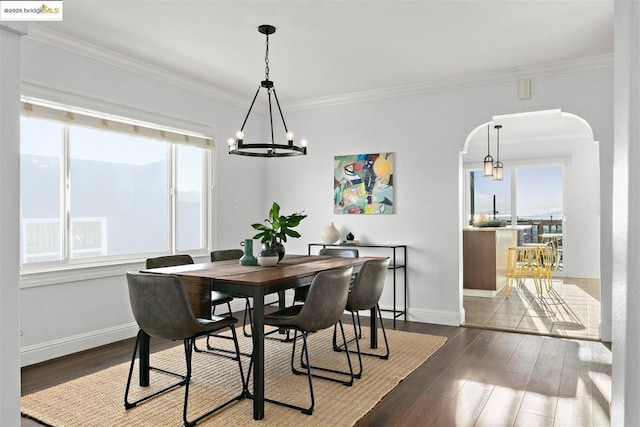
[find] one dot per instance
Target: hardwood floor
(478, 378)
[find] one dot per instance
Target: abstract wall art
(363, 184)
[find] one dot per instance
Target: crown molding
(57, 39)
(559, 67)
(15, 27)
(46, 35)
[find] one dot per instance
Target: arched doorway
(551, 186)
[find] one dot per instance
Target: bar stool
(546, 262)
(523, 262)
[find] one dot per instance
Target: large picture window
(100, 191)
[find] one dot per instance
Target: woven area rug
(97, 399)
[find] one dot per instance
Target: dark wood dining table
(255, 282)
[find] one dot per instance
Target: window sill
(34, 278)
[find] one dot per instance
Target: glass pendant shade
(497, 171)
(488, 166)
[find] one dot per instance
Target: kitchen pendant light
(497, 166)
(488, 160)
(266, 149)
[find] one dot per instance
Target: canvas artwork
(363, 184)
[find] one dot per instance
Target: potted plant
(276, 228)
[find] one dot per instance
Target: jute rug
(97, 400)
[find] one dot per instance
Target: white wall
(10, 47)
(625, 377)
(426, 131)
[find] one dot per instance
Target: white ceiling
(331, 49)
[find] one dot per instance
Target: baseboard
(438, 317)
(482, 293)
(37, 353)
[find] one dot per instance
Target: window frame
(71, 269)
(513, 166)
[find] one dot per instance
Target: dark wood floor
(479, 377)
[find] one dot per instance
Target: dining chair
(231, 254)
(161, 309)
(365, 295)
(217, 298)
(323, 308)
(300, 293)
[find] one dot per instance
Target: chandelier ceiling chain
(266, 59)
(488, 160)
(266, 149)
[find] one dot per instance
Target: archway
(533, 144)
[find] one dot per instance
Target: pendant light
(497, 166)
(488, 160)
(266, 149)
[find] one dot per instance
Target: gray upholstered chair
(300, 293)
(341, 252)
(169, 261)
(161, 309)
(364, 295)
(323, 308)
(231, 254)
(217, 298)
(226, 254)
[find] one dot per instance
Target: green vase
(248, 258)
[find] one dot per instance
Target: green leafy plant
(277, 227)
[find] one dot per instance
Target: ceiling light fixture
(266, 149)
(488, 160)
(497, 166)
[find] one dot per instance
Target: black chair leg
(129, 405)
(219, 351)
(384, 356)
(247, 313)
(309, 410)
(350, 374)
(188, 351)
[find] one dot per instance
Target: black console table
(395, 265)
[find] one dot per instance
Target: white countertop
(507, 228)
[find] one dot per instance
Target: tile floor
(570, 309)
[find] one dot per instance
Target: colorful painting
(363, 184)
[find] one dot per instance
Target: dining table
(250, 281)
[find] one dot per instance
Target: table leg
(143, 359)
(374, 328)
(258, 353)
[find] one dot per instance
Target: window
(96, 188)
(534, 194)
(488, 195)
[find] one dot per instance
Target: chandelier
(266, 149)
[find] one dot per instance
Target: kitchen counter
(485, 258)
